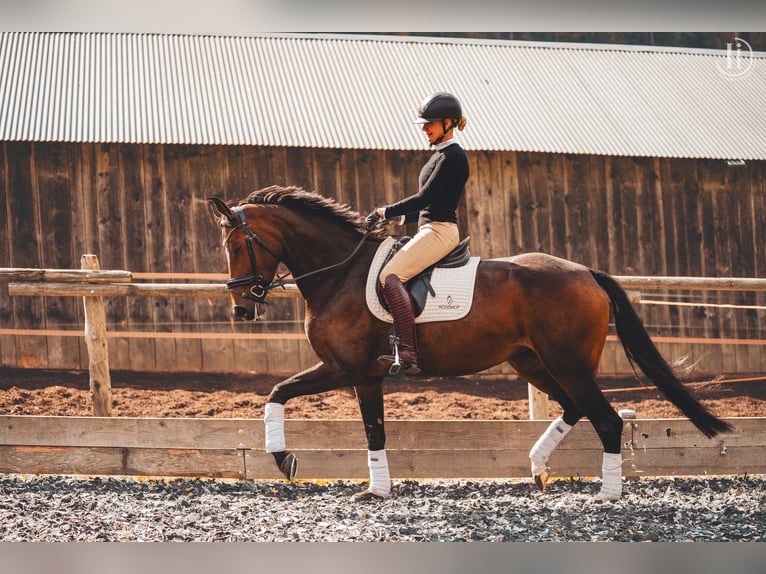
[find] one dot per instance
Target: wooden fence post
(538, 404)
(98, 353)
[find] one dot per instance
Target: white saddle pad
(453, 287)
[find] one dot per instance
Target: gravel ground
(68, 509)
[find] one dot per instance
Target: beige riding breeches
(433, 241)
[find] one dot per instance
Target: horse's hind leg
(529, 367)
(586, 395)
(370, 397)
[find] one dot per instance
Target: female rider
(441, 185)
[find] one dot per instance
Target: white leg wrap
(380, 479)
(611, 477)
(274, 417)
(548, 441)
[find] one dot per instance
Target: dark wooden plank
(370, 174)
(527, 202)
(649, 217)
(141, 352)
(598, 236)
(510, 186)
(711, 183)
(55, 174)
(7, 342)
(651, 246)
(347, 186)
(275, 170)
(489, 207)
(625, 187)
(612, 210)
(669, 193)
(327, 180)
(299, 166)
(159, 230)
(26, 248)
(558, 208)
(180, 197)
(736, 207)
(757, 207)
(541, 195)
(579, 246)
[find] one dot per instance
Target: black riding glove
(371, 220)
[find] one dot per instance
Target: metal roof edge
(369, 37)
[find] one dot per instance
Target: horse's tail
(641, 351)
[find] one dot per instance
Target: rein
(260, 288)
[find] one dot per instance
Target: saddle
(419, 287)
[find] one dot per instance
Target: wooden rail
(335, 449)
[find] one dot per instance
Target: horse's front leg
(370, 397)
(317, 379)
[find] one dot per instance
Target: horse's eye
(236, 249)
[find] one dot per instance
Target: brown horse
(547, 317)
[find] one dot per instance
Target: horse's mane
(309, 202)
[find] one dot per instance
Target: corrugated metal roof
(345, 91)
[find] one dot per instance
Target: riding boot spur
(400, 304)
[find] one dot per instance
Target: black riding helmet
(439, 106)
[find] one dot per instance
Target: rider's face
(434, 130)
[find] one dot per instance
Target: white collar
(442, 145)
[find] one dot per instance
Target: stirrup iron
(396, 366)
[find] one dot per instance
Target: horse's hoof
(366, 496)
(541, 480)
(607, 496)
(288, 464)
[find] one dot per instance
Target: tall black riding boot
(400, 304)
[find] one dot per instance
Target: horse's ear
(219, 209)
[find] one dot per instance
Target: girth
(420, 286)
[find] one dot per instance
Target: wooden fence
(232, 448)
(335, 449)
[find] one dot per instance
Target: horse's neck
(308, 248)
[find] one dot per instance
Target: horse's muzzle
(248, 310)
(243, 313)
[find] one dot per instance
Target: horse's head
(252, 263)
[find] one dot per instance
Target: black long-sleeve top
(441, 185)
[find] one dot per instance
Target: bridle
(260, 287)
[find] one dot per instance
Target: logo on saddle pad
(453, 290)
(450, 304)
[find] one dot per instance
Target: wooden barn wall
(142, 208)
